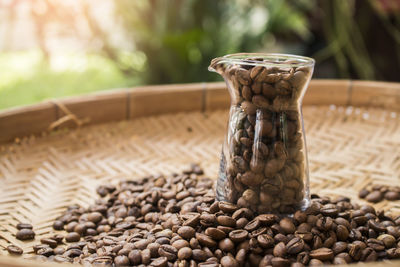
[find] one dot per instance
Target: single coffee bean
(58, 225)
(254, 224)
(199, 255)
(102, 261)
(227, 207)
(322, 254)
(226, 245)
(51, 242)
(160, 262)
(287, 226)
(342, 233)
(25, 234)
(280, 250)
(178, 244)
(95, 217)
(186, 232)
(135, 257)
(374, 197)
(226, 221)
(363, 193)
(238, 236)
(205, 240)
(280, 262)
(72, 237)
(45, 251)
(295, 245)
(339, 261)
(39, 246)
(368, 255)
(215, 233)
(391, 195)
(388, 240)
(14, 250)
(168, 251)
(315, 262)
(265, 241)
(121, 261)
(24, 226)
(243, 76)
(146, 256)
(184, 253)
(59, 251)
(229, 261)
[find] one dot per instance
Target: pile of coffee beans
(377, 193)
(175, 221)
(264, 161)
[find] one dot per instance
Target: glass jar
(264, 163)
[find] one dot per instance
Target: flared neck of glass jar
(259, 59)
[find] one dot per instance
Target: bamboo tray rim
(141, 101)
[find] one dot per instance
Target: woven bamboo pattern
(349, 148)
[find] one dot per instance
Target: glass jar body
(264, 163)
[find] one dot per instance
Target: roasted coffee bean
(24, 226)
(160, 262)
(186, 232)
(391, 195)
(199, 255)
(227, 207)
(229, 261)
(14, 250)
(388, 240)
(215, 233)
(205, 240)
(58, 225)
(363, 193)
(45, 251)
(146, 255)
(168, 251)
(226, 221)
(95, 217)
(295, 245)
(39, 246)
(342, 233)
(135, 257)
(59, 251)
(238, 236)
(322, 254)
(315, 262)
(184, 253)
(374, 196)
(265, 241)
(280, 250)
(226, 245)
(280, 262)
(48, 241)
(254, 224)
(72, 237)
(25, 234)
(121, 261)
(287, 226)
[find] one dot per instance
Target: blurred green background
(54, 48)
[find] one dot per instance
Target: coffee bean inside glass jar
(264, 161)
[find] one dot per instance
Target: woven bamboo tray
(353, 135)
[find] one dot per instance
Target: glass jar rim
(269, 59)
